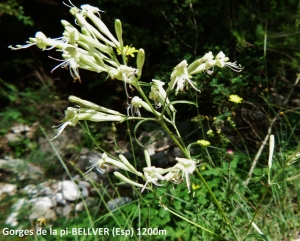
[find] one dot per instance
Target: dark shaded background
(169, 31)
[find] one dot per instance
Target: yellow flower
(41, 221)
(210, 133)
(203, 143)
(235, 99)
(128, 50)
(195, 186)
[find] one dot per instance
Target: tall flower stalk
(96, 49)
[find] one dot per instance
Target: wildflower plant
(95, 48)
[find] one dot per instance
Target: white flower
(137, 103)
(89, 11)
(73, 67)
(207, 63)
(73, 115)
(159, 95)
(105, 160)
(41, 41)
(100, 165)
(222, 60)
(153, 175)
(180, 76)
(91, 105)
(182, 169)
(124, 73)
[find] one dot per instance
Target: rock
(87, 159)
(66, 210)
(115, 203)
(176, 152)
(12, 137)
(79, 207)
(19, 131)
(7, 188)
(20, 128)
(71, 191)
(60, 199)
(31, 190)
(42, 207)
(43, 202)
(83, 186)
(160, 159)
(22, 169)
(12, 218)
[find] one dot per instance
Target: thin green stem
(132, 146)
(161, 121)
(218, 204)
(189, 221)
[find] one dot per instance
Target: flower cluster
(94, 48)
(151, 174)
(203, 143)
(181, 76)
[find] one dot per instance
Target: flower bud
(147, 158)
(140, 59)
(125, 179)
(118, 29)
(130, 167)
(293, 178)
(271, 150)
(102, 27)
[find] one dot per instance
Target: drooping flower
(235, 99)
(159, 95)
(181, 170)
(136, 104)
(73, 67)
(88, 49)
(154, 175)
(181, 77)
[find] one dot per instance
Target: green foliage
(263, 37)
(13, 8)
